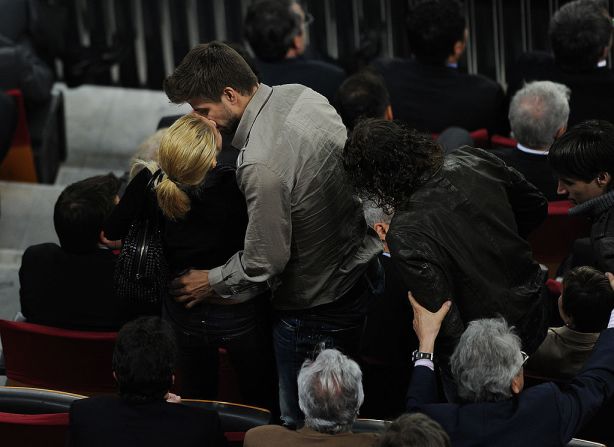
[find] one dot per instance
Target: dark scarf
(594, 207)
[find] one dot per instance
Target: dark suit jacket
(67, 290)
(111, 421)
(432, 98)
(535, 169)
(592, 92)
(320, 76)
(543, 415)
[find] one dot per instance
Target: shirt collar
(528, 150)
(250, 114)
(602, 63)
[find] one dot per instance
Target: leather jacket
(462, 236)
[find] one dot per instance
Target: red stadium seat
(60, 359)
(500, 141)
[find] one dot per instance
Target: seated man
(584, 305)
(145, 413)
(429, 92)
(330, 395)
(584, 161)
(538, 116)
(364, 95)
(488, 368)
(459, 226)
(580, 37)
(275, 30)
(414, 430)
(71, 285)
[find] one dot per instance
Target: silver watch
(417, 355)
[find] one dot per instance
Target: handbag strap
(151, 202)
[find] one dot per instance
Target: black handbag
(141, 273)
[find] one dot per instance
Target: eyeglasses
(525, 357)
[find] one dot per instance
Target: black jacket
(431, 98)
(111, 421)
(462, 236)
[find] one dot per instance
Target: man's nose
(561, 189)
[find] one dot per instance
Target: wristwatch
(417, 355)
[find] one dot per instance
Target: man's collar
(603, 63)
(250, 114)
(528, 150)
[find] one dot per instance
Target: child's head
(587, 300)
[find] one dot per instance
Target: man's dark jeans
(301, 335)
(244, 331)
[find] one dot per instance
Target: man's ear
(518, 382)
(388, 113)
(381, 229)
(603, 179)
(230, 95)
(560, 131)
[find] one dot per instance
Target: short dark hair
(414, 430)
(270, 26)
(81, 210)
(433, 27)
(362, 95)
(587, 298)
(206, 70)
(387, 161)
(579, 31)
(584, 151)
(144, 359)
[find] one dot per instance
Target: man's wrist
(426, 346)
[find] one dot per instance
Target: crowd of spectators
(345, 239)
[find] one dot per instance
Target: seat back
(35, 400)
(60, 359)
(552, 241)
(480, 138)
(30, 416)
(500, 141)
(583, 443)
(19, 161)
(236, 419)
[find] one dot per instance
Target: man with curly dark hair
(459, 227)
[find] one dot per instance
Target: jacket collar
(595, 206)
(250, 114)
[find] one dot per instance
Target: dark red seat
(60, 359)
(501, 141)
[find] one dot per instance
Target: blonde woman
(204, 218)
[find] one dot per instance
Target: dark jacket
(320, 76)
(431, 98)
(592, 91)
(543, 415)
(601, 211)
(68, 290)
(462, 236)
(111, 421)
(534, 167)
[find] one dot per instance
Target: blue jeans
(302, 335)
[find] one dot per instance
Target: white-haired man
(330, 394)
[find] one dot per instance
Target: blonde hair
(187, 152)
(146, 155)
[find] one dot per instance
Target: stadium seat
(500, 141)
(30, 416)
(552, 241)
(369, 426)
(19, 164)
(59, 359)
(236, 418)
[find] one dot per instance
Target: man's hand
(427, 324)
(192, 288)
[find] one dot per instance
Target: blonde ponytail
(173, 202)
(187, 152)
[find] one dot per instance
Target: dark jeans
(301, 335)
(244, 331)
